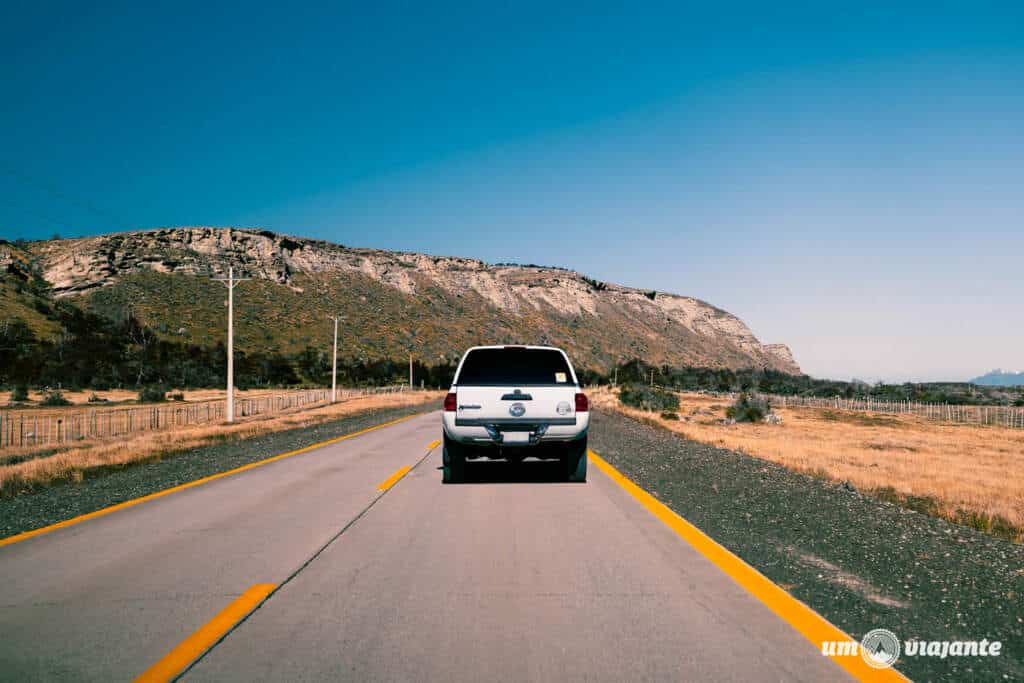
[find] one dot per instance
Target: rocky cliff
(395, 301)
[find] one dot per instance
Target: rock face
(660, 327)
(13, 262)
(782, 353)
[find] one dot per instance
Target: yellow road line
(806, 621)
(135, 501)
(193, 647)
(393, 479)
(402, 471)
(190, 649)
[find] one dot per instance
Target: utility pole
(334, 363)
(231, 282)
(412, 345)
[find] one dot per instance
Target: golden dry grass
(73, 464)
(967, 474)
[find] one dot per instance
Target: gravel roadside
(63, 501)
(859, 562)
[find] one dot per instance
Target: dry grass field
(966, 474)
(76, 462)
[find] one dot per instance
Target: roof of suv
(515, 346)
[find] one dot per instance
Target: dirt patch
(855, 418)
(889, 446)
(848, 580)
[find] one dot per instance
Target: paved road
(508, 577)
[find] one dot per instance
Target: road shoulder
(859, 562)
(43, 507)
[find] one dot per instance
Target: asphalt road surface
(508, 577)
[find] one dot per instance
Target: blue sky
(845, 178)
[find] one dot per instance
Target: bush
(20, 393)
(748, 408)
(176, 396)
(154, 393)
(55, 397)
(648, 398)
(670, 416)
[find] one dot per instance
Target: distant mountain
(393, 302)
(1000, 378)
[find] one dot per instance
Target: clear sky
(847, 178)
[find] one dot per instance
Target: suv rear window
(514, 367)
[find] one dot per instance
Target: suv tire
(575, 461)
(453, 460)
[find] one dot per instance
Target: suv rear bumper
(483, 431)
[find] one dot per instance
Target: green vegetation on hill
(381, 322)
(24, 294)
(98, 352)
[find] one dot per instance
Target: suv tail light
(582, 404)
(449, 403)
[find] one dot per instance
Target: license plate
(516, 437)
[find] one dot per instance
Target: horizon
(843, 185)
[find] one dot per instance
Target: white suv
(515, 402)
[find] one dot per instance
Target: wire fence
(34, 428)
(1011, 417)
(999, 416)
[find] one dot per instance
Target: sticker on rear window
(560, 377)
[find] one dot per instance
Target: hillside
(393, 301)
(1000, 378)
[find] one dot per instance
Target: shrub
(669, 416)
(748, 408)
(153, 393)
(648, 398)
(55, 397)
(20, 393)
(176, 396)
